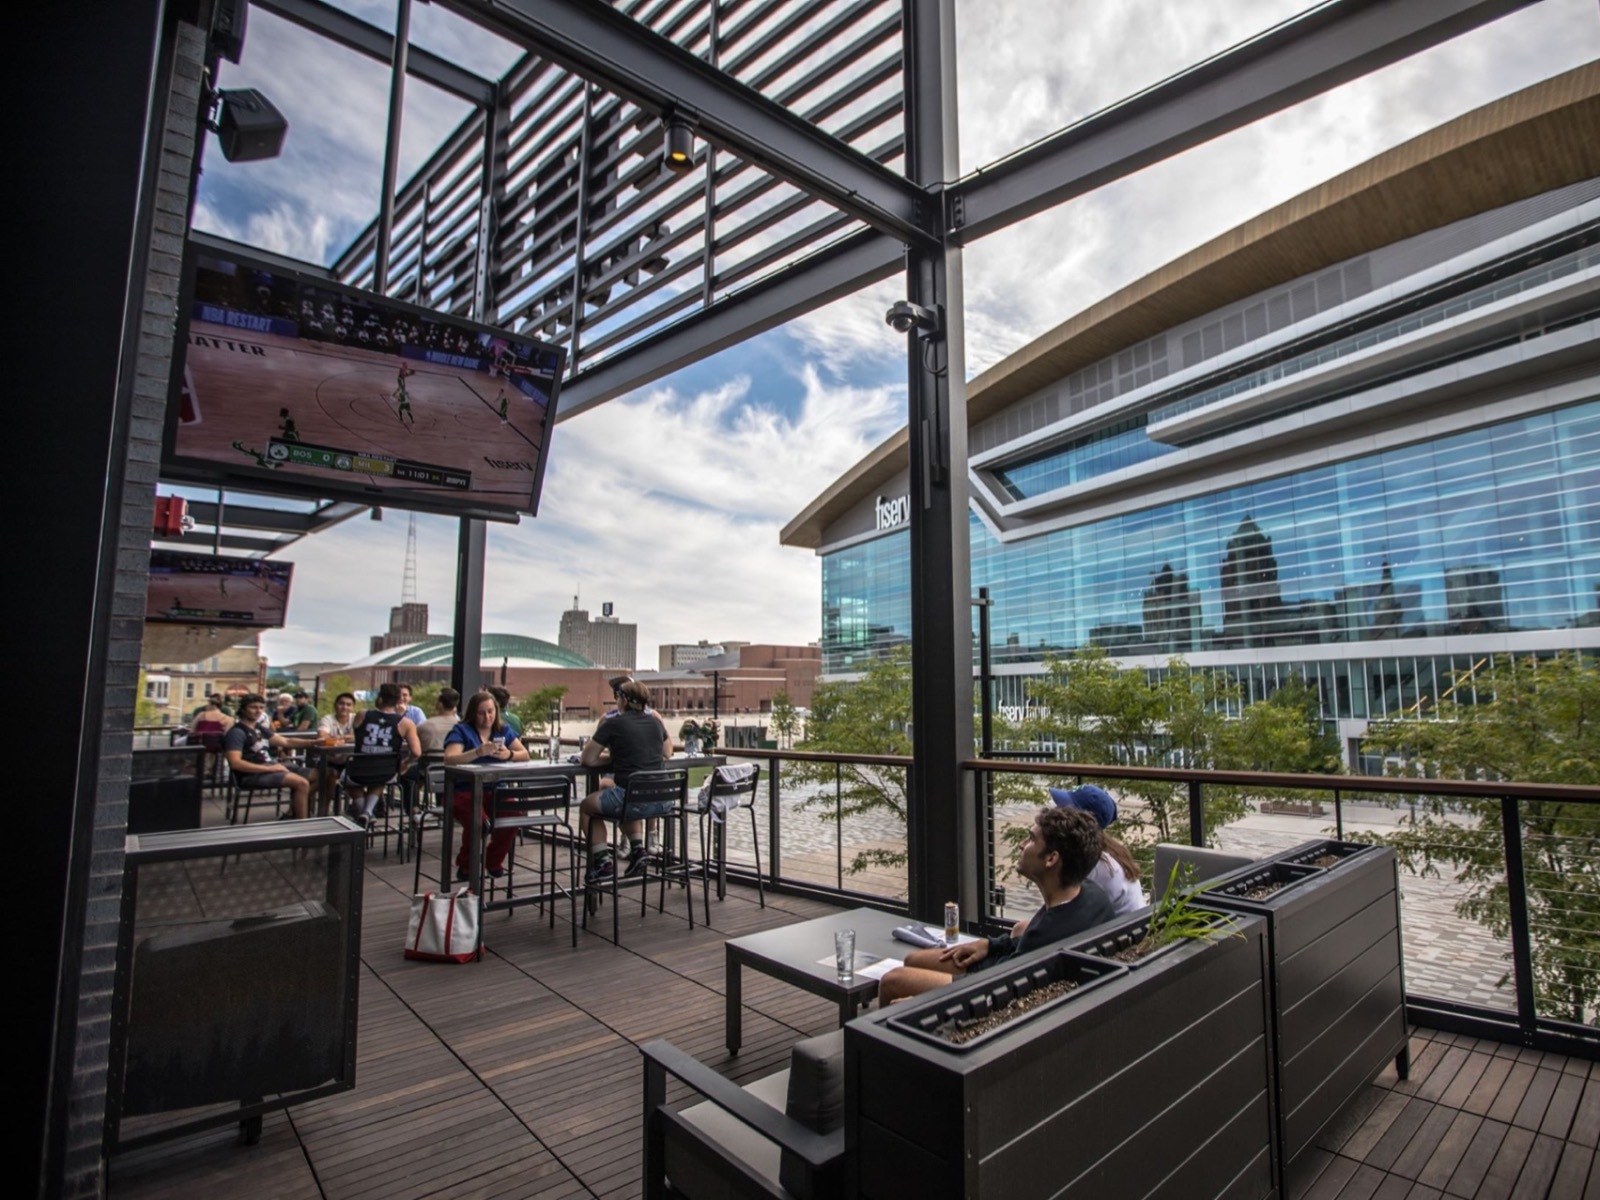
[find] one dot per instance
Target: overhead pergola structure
(249, 526)
(825, 160)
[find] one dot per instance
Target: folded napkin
(917, 935)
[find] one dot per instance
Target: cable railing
(1499, 881)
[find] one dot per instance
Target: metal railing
(1500, 882)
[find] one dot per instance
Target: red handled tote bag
(443, 928)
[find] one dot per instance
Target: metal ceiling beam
(847, 266)
(1302, 58)
(270, 520)
(228, 541)
(618, 53)
(356, 34)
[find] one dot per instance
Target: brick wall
(83, 1174)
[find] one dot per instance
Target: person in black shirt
(632, 740)
(384, 729)
(1061, 849)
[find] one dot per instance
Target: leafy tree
(1530, 721)
(870, 716)
(1284, 732)
(534, 709)
(785, 720)
(426, 695)
(331, 689)
(1097, 712)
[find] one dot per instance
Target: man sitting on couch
(1061, 849)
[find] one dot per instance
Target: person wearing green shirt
(305, 716)
(503, 699)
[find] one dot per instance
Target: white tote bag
(443, 928)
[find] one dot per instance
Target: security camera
(904, 316)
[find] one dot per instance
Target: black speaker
(227, 28)
(249, 127)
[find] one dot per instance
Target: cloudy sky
(668, 502)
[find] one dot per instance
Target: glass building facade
(866, 602)
(1494, 531)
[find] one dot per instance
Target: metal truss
(549, 211)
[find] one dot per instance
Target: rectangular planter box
(976, 1003)
(1336, 981)
(1151, 1083)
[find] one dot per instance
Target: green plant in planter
(1176, 918)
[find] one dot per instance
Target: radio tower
(408, 586)
(408, 620)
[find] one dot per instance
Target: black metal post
(985, 682)
(391, 147)
(466, 654)
(774, 822)
(940, 827)
(1517, 902)
(1197, 815)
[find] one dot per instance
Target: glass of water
(844, 953)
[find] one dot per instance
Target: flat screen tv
(207, 589)
(296, 385)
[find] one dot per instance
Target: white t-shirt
(1125, 895)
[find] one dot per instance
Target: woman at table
(481, 737)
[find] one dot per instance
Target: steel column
(466, 652)
(391, 147)
(940, 826)
(1517, 917)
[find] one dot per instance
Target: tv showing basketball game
(210, 589)
(297, 385)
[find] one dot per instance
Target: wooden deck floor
(519, 1076)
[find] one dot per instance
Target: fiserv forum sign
(892, 513)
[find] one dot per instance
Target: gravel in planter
(961, 1030)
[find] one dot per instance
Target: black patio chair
(649, 795)
(728, 789)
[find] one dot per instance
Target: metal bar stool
(726, 789)
(649, 795)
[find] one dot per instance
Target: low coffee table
(803, 955)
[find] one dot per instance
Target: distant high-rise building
(408, 624)
(573, 633)
(604, 641)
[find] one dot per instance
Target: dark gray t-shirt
(634, 739)
(1090, 907)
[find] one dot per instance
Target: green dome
(512, 648)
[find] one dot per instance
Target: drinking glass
(844, 953)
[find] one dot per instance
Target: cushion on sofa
(816, 1100)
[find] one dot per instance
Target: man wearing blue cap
(1116, 873)
(1062, 847)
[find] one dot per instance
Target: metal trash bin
(237, 973)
